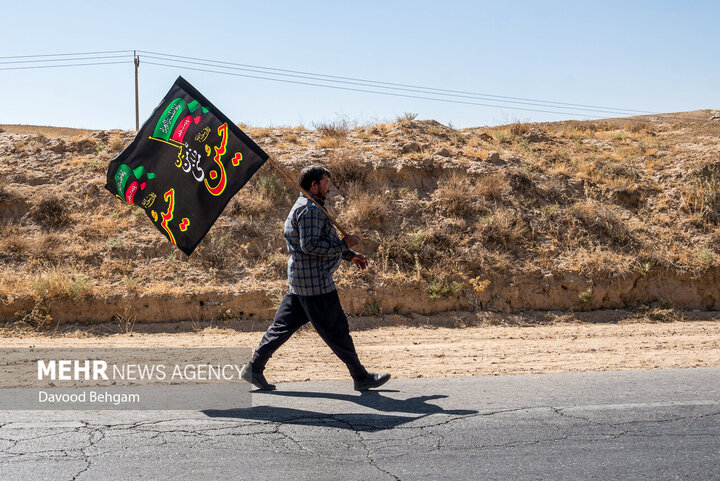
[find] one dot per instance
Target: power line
(67, 65)
(63, 59)
(70, 54)
(343, 82)
(575, 114)
(430, 93)
(481, 96)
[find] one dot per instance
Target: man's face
(321, 188)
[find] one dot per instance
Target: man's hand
(360, 261)
(350, 240)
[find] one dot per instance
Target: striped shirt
(315, 249)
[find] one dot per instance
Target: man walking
(315, 254)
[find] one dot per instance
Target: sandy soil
(412, 352)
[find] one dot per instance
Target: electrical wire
(70, 54)
(183, 62)
(64, 59)
(67, 65)
(575, 114)
(437, 91)
(328, 81)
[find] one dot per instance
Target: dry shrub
(338, 129)
(366, 209)
(61, 282)
(252, 204)
(331, 142)
(584, 126)
(52, 241)
(494, 187)
(506, 229)
(602, 223)
(518, 129)
(460, 196)
(456, 196)
(116, 143)
(638, 126)
(258, 132)
(13, 240)
(51, 212)
(408, 252)
(702, 196)
(345, 168)
(597, 261)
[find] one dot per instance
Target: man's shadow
(418, 407)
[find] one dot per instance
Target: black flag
(184, 166)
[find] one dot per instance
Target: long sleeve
(311, 223)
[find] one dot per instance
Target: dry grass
(505, 229)
(291, 137)
(331, 142)
(116, 143)
(63, 281)
(347, 168)
(365, 210)
(456, 196)
(338, 129)
(701, 196)
(460, 196)
(52, 212)
(258, 132)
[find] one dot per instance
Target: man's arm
(310, 226)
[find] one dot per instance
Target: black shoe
(256, 379)
(372, 380)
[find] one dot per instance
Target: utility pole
(137, 102)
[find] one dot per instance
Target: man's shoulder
(303, 206)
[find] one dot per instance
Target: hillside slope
(554, 216)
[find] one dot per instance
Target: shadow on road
(370, 421)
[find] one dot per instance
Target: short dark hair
(311, 174)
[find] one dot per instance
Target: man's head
(316, 180)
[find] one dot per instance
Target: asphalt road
(629, 425)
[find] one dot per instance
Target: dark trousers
(327, 317)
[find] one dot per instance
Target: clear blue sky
(657, 56)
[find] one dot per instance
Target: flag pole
(307, 194)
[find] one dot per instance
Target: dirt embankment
(560, 216)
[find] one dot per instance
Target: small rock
(410, 147)
(57, 146)
(536, 135)
(443, 151)
(486, 137)
(494, 158)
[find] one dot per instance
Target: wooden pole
(137, 101)
(307, 194)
